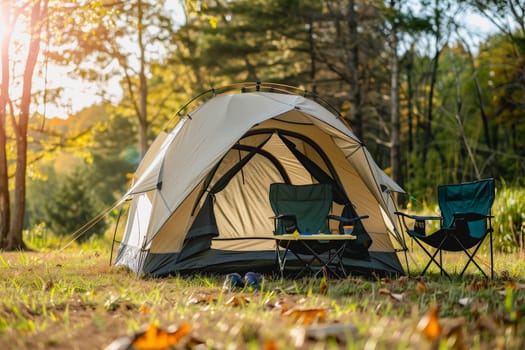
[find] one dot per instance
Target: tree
(126, 37)
(233, 41)
(34, 13)
(395, 147)
(73, 206)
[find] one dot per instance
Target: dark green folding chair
(304, 210)
(465, 222)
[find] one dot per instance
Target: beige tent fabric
(180, 161)
(170, 237)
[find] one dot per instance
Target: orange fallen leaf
(200, 299)
(237, 300)
(155, 338)
(429, 324)
(307, 317)
(421, 287)
(270, 345)
(144, 310)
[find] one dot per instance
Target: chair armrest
(470, 216)
(283, 216)
(419, 224)
(347, 220)
(418, 217)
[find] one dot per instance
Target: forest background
(435, 99)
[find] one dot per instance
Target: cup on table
(348, 229)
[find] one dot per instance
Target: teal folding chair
(305, 209)
(465, 223)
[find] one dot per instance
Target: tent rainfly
(200, 197)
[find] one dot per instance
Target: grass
(75, 300)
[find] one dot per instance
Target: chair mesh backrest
(471, 197)
(309, 203)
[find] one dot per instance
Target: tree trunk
(427, 123)
(395, 152)
(5, 210)
(410, 97)
(143, 86)
(14, 238)
(479, 95)
(353, 66)
(312, 53)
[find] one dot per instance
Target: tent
(199, 201)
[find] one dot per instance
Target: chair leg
(471, 260)
(471, 257)
(441, 260)
(320, 259)
(281, 259)
(337, 259)
(433, 258)
(491, 254)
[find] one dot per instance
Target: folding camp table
(334, 256)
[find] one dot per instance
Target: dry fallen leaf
(49, 284)
(385, 291)
(486, 323)
(338, 332)
(237, 300)
(421, 287)
(155, 338)
(278, 305)
(200, 299)
(397, 296)
(429, 324)
(306, 317)
(465, 301)
(477, 285)
(144, 310)
(402, 280)
(505, 275)
(270, 345)
(454, 332)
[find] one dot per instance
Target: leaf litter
(283, 313)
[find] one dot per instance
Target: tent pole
(114, 236)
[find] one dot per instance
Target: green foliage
(509, 218)
(476, 107)
(71, 206)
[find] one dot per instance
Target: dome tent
(199, 200)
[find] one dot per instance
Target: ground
(75, 300)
